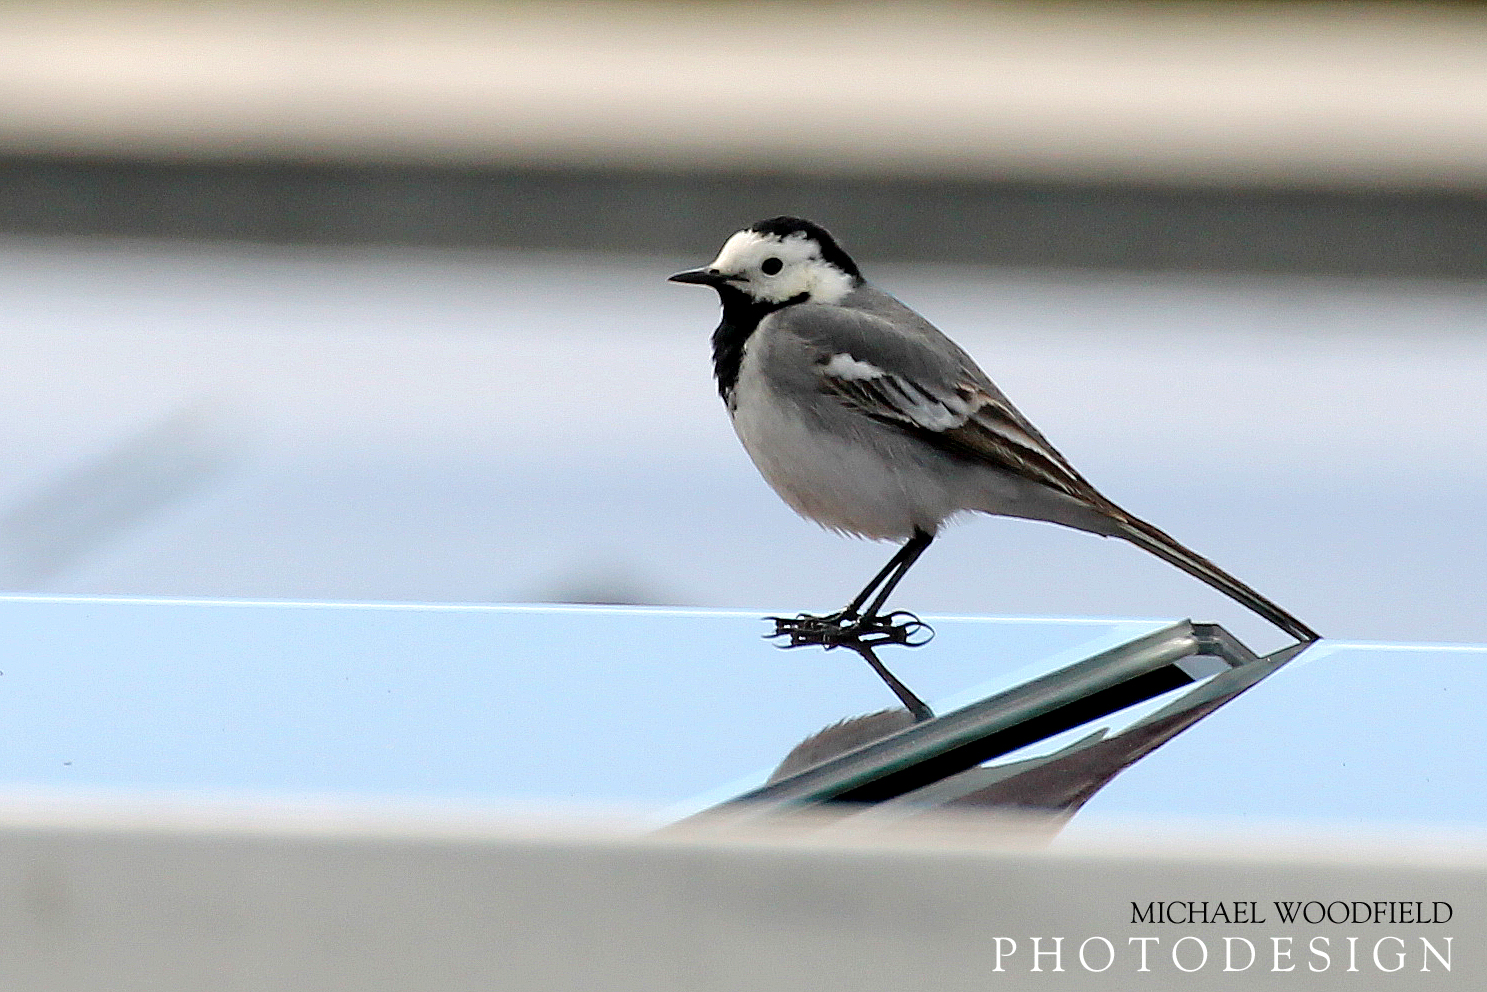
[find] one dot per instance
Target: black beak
(699, 277)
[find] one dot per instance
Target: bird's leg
(889, 574)
(852, 627)
(912, 703)
(910, 553)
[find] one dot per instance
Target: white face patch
(802, 270)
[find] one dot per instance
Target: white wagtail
(869, 421)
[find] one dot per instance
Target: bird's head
(779, 261)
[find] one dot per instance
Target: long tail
(1167, 548)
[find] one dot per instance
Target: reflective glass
(638, 706)
(1349, 732)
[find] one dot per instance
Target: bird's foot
(848, 630)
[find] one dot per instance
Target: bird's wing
(962, 420)
(916, 380)
(906, 374)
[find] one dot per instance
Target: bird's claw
(848, 630)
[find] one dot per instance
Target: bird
(867, 419)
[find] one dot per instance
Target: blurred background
(365, 300)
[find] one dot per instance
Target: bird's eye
(771, 265)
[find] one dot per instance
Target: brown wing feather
(971, 424)
(998, 435)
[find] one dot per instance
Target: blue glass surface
(1349, 732)
(470, 703)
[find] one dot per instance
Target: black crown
(786, 226)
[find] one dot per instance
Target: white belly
(840, 483)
